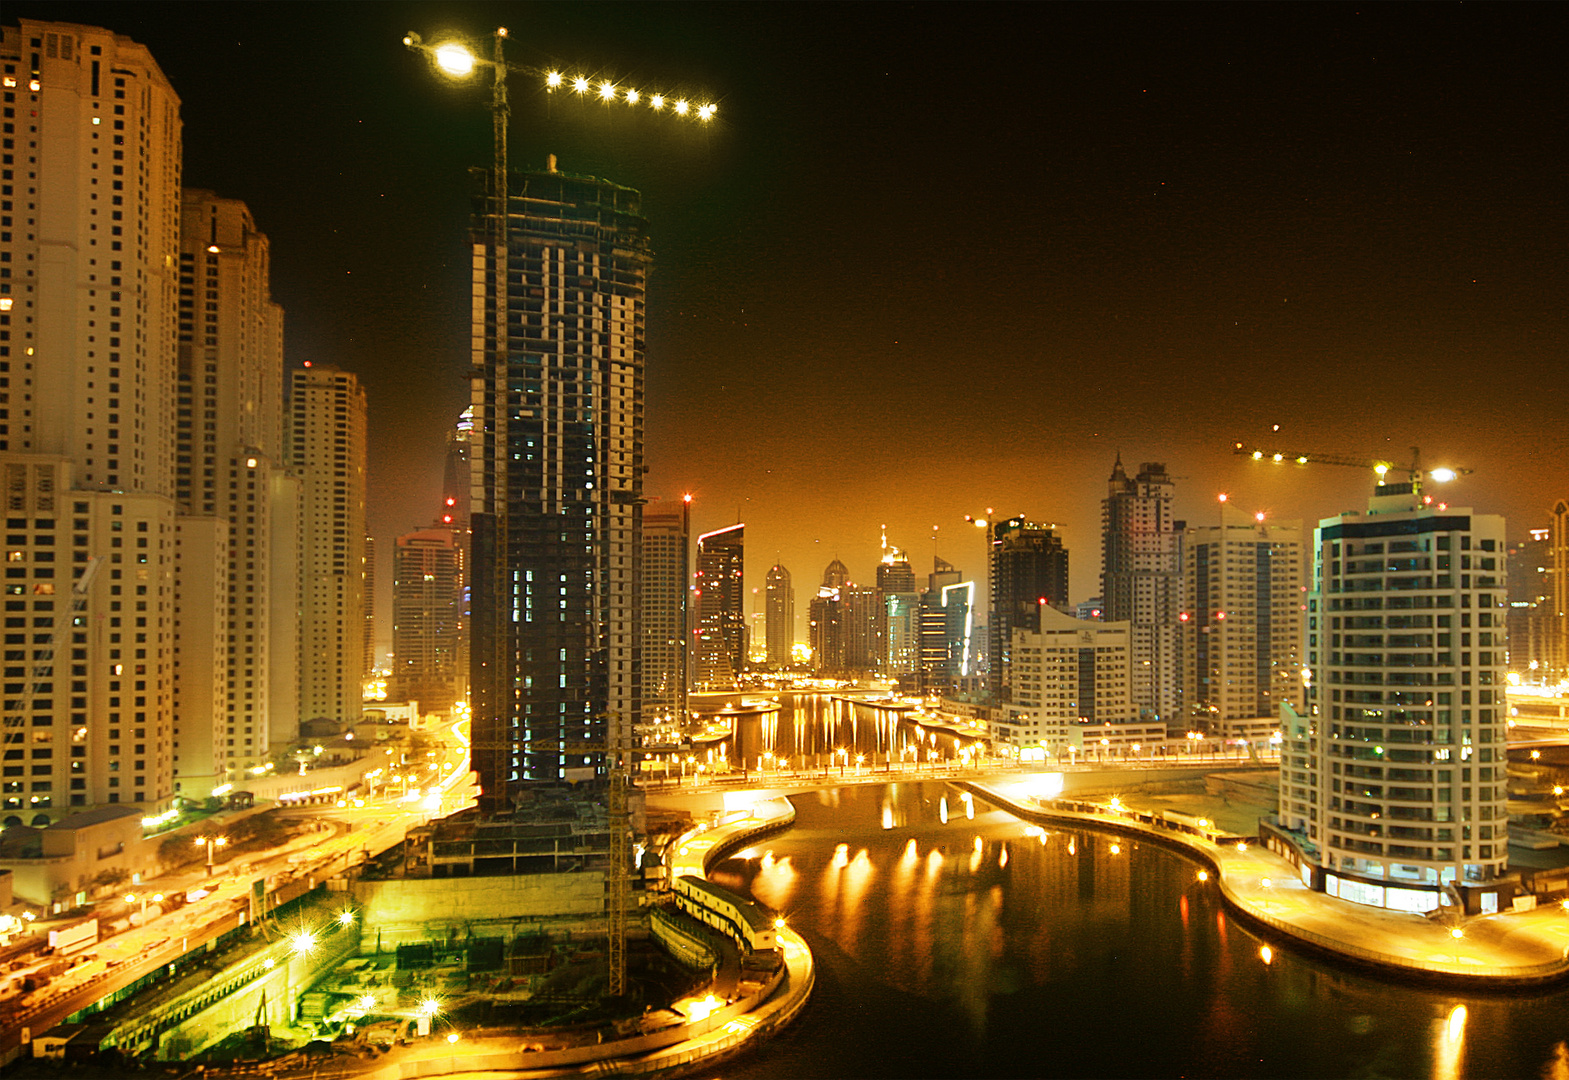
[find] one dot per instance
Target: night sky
(939, 258)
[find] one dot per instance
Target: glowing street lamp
(131, 898)
(211, 842)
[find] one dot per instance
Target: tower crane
(1381, 466)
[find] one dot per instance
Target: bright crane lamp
(454, 59)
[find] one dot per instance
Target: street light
(211, 842)
(131, 898)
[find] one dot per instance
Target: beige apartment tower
(1244, 594)
(326, 450)
(90, 194)
(229, 469)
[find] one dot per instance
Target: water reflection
(983, 946)
(806, 731)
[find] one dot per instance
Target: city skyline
(1155, 253)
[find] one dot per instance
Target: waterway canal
(959, 945)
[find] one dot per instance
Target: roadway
(357, 829)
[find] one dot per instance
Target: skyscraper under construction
(556, 456)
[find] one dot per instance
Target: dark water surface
(972, 948)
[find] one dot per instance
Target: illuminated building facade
(230, 475)
(779, 623)
(1140, 581)
(88, 302)
(1395, 775)
(427, 618)
(825, 630)
(945, 655)
(1067, 673)
(1558, 589)
(864, 649)
(1029, 571)
(719, 591)
(556, 467)
(325, 447)
(1531, 615)
(1244, 593)
(900, 614)
(664, 590)
(368, 609)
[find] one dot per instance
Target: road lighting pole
(211, 842)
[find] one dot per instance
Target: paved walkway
(1508, 948)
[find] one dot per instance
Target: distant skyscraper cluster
(155, 491)
(430, 593)
(1539, 601)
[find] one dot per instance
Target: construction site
(486, 933)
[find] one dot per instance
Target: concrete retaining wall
(401, 902)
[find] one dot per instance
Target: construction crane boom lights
(1441, 475)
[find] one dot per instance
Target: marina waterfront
(953, 939)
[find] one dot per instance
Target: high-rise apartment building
(1531, 622)
(779, 621)
(1067, 673)
(427, 618)
(946, 628)
(1029, 571)
(845, 626)
(1244, 598)
(229, 469)
(1558, 582)
(664, 590)
(825, 632)
(864, 648)
(899, 614)
(718, 590)
(1395, 776)
(1141, 583)
(90, 189)
(325, 447)
(368, 635)
(556, 463)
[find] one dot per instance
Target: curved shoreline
(1254, 882)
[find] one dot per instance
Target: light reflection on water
(985, 947)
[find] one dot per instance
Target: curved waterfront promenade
(1506, 950)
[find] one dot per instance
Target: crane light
(454, 59)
